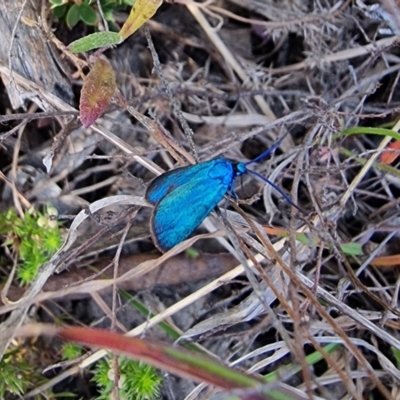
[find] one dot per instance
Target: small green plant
(70, 351)
(15, 374)
(137, 380)
(32, 240)
(18, 375)
(21, 371)
(73, 11)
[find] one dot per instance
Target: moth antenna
(267, 152)
(278, 189)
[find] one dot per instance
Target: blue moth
(183, 197)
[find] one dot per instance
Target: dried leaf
(162, 137)
(98, 88)
(386, 261)
(141, 12)
(387, 157)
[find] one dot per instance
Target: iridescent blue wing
(169, 181)
(183, 209)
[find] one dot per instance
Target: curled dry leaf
(141, 12)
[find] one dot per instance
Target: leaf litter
(310, 69)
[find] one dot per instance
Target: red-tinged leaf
(140, 13)
(97, 90)
(387, 157)
(184, 363)
(386, 261)
(273, 230)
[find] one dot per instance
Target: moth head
(239, 168)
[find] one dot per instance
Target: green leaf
(73, 16)
(108, 7)
(60, 11)
(94, 41)
(108, 3)
(371, 131)
(191, 253)
(57, 2)
(88, 15)
(291, 369)
(109, 16)
(396, 354)
(112, 26)
(352, 249)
